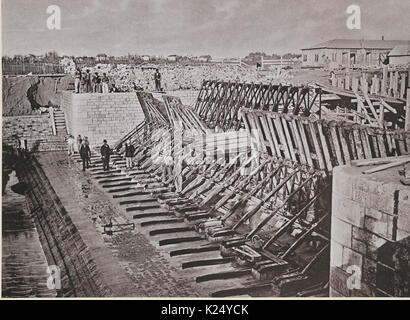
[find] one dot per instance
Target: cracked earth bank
(150, 271)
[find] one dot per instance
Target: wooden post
(355, 84)
(364, 87)
(396, 84)
(402, 85)
(391, 82)
(381, 110)
(407, 122)
(347, 82)
(334, 80)
(384, 81)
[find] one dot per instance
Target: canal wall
(62, 237)
(36, 130)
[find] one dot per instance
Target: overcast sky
(221, 28)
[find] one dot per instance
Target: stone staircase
(59, 120)
(141, 194)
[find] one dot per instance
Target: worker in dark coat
(129, 154)
(105, 154)
(85, 153)
(157, 78)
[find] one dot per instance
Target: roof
(401, 50)
(359, 44)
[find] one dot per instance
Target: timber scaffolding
(259, 199)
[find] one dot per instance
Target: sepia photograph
(205, 149)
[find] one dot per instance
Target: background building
(349, 52)
(400, 55)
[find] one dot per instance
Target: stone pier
(370, 233)
(101, 115)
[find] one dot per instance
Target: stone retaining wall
(36, 129)
(60, 238)
(101, 116)
(370, 232)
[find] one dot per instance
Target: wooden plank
(387, 166)
(337, 146)
(377, 161)
(352, 144)
(381, 144)
(288, 138)
(345, 148)
(387, 106)
(299, 142)
(366, 144)
(375, 115)
(407, 121)
(358, 142)
(304, 141)
(283, 141)
(400, 141)
(325, 147)
(317, 146)
(268, 133)
(274, 139)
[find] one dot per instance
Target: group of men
(87, 82)
(83, 147)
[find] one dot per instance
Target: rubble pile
(127, 78)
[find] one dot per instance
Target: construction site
(288, 178)
(274, 190)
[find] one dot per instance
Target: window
(316, 57)
(305, 57)
(334, 57)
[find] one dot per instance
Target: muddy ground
(25, 95)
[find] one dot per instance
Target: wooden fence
(33, 68)
(388, 83)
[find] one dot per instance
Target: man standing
(104, 83)
(85, 154)
(88, 144)
(105, 154)
(129, 154)
(157, 78)
(77, 80)
(95, 82)
(87, 81)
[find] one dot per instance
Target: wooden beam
(407, 122)
(387, 166)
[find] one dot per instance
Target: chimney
(382, 37)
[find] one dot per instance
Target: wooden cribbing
(219, 102)
(323, 144)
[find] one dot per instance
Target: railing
(33, 68)
(277, 62)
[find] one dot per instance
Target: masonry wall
(188, 97)
(36, 129)
(62, 243)
(370, 234)
(101, 116)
